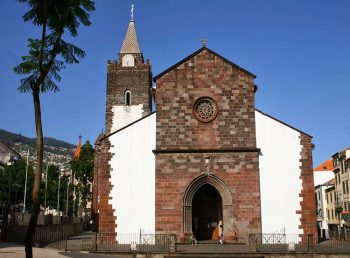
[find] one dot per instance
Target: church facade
(205, 162)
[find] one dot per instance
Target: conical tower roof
(130, 44)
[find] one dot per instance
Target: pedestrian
(221, 240)
(193, 240)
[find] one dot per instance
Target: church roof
(130, 44)
(196, 53)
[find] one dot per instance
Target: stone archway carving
(226, 196)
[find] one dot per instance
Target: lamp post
(25, 184)
(58, 192)
(68, 193)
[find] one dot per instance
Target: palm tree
(43, 63)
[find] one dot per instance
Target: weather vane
(204, 41)
(132, 12)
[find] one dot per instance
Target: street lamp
(58, 194)
(25, 184)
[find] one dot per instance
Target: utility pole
(25, 184)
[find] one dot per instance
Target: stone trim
(308, 206)
(230, 150)
(226, 196)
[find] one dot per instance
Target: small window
(128, 98)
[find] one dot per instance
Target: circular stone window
(205, 109)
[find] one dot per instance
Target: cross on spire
(204, 41)
(132, 12)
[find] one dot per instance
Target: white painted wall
(321, 209)
(124, 115)
(321, 177)
(279, 175)
(133, 176)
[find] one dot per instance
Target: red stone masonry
(183, 143)
(102, 189)
(308, 204)
(205, 75)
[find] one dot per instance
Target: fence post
(310, 242)
(173, 243)
(66, 242)
(94, 242)
(252, 243)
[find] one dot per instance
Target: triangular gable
(196, 53)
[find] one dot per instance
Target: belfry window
(128, 98)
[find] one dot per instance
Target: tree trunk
(38, 171)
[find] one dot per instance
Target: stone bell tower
(129, 81)
(128, 99)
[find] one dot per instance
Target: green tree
(43, 63)
(82, 167)
(12, 181)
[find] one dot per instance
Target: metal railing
(288, 243)
(55, 240)
(141, 243)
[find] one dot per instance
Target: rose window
(205, 109)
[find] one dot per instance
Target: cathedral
(205, 161)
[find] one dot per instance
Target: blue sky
(299, 50)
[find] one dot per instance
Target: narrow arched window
(128, 98)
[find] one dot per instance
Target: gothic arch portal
(226, 196)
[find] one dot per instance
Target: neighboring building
(322, 208)
(206, 162)
(7, 155)
(341, 162)
(323, 172)
(323, 179)
(333, 220)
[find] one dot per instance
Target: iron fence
(55, 240)
(300, 243)
(141, 243)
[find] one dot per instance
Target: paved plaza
(9, 250)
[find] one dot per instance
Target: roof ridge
(196, 53)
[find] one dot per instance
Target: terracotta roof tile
(325, 166)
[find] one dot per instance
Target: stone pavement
(10, 250)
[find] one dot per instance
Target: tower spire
(131, 44)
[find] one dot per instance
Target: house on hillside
(7, 155)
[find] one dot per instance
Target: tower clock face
(128, 60)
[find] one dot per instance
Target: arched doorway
(199, 188)
(206, 213)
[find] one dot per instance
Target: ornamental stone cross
(204, 41)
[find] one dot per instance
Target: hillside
(55, 151)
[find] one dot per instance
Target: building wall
(286, 177)
(133, 177)
(229, 140)
(321, 177)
